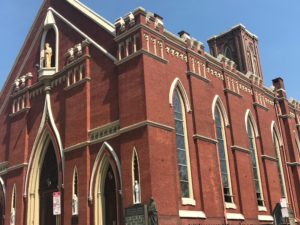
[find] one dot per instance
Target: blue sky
(275, 22)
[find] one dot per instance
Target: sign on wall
(56, 203)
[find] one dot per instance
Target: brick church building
(98, 118)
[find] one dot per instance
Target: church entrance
(110, 198)
(48, 184)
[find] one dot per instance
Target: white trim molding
(188, 201)
(41, 137)
(249, 115)
(93, 15)
(265, 218)
(262, 208)
(235, 216)
(97, 161)
(230, 205)
(192, 214)
(218, 102)
(177, 84)
(83, 34)
(274, 127)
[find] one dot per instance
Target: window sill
(265, 218)
(235, 216)
(230, 205)
(192, 214)
(262, 209)
(188, 201)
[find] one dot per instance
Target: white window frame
(185, 200)
(249, 119)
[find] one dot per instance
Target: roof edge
(93, 15)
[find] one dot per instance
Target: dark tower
(241, 46)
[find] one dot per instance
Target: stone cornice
(257, 105)
(226, 90)
(240, 149)
(84, 80)
(145, 123)
(293, 164)
(192, 74)
(13, 168)
(285, 116)
(112, 130)
(204, 138)
(138, 53)
(267, 157)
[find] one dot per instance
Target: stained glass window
(223, 156)
(279, 164)
(182, 154)
(255, 167)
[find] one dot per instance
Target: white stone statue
(137, 192)
(12, 216)
(46, 56)
(74, 205)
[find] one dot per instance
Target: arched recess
(75, 202)
(12, 217)
(136, 178)
(298, 143)
(249, 116)
(50, 35)
(45, 176)
(106, 185)
(46, 121)
(277, 141)
(2, 201)
(176, 84)
(275, 128)
(228, 52)
(218, 102)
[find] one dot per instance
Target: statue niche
(47, 55)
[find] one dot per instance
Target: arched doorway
(44, 178)
(110, 202)
(48, 184)
(106, 186)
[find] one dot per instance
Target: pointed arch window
(182, 146)
(75, 193)
(255, 164)
(228, 53)
(223, 156)
(279, 163)
(13, 207)
(136, 184)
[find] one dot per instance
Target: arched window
(136, 183)
(223, 156)
(279, 163)
(255, 164)
(49, 46)
(13, 207)
(75, 193)
(182, 146)
(252, 59)
(228, 53)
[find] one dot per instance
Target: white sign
(56, 203)
(283, 203)
(285, 212)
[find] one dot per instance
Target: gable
(75, 23)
